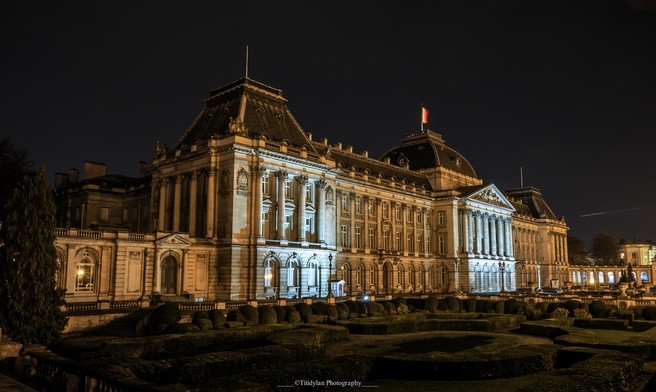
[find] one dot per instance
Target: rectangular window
(420, 244)
(441, 218)
(358, 205)
(345, 236)
(385, 210)
(265, 185)
(372, 238)
(397, 212)
(408, 241)
(265, 225)
(345, 203)
(125, 215)
(420, 216)
(442, 245)
(386, 239)
(309, 194)
(289, 226)
(358, 237)
(288, 190)
(371, 209)
(408, 214)
(428, 244)
(104, 213)
(397, 236)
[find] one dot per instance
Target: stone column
(393, 233)
(193, 194)
(163, 192)
(492, 224)
(367, 245)
(258, 173)
(486, 235)
(464, 222)
(302, 198)
(404, 234)
(424, 215)
(176, 202)
(321, 210)
(157, 284)
(338, 219)
(509, 239)
(211, 197)
(479, 233)
(352, 224)
(415, 230)
(566, 250)
(282, 177)
(379, 223)
(501, 234)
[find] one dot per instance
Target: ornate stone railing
(195, 306)
(81, 307)
(127, 305)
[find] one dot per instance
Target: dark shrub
(319, 308)
(649, 313)
(267, 315)
(181, 328)
(332, 311)
(637, 312)
(390, 308)
(625, 315)
(471, 305)
(353, 307)
(166, 314)
(480, 306)
(532, 312)
(291, 315)
(490, 306)
(204, 324)
(217, 317)
(280, 313)
(304, 310)
(380, 308)
(453, 304)
(373, 308)
(499, 307)
(512, 306)
(343, 310)
(250, 314)
(399, 300)
(441, 304)
(235, 315)
(431, 303)
(362, 308)
(571, 305)
(415, 304)
(199, 315)
(601, 323)
(598, 309)
(542, 307)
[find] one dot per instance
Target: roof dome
(426, 150)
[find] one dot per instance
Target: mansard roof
(427, 150)
(250, 108)
(529, 201)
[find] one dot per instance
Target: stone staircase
(123, 326)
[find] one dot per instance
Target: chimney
(349, 149)
(309, 136)
(338, 145)
(73, 176)
(94, 169)
(61, 179)
(365, 154)
(143, 169)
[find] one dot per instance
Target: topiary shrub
(453, 304)
(542, 307)
(431, 303)
(471, 305)
(441, 304)
(402, 309)
(390, 308)
(553, 306)
(559, 313)
(480, 306)
(499, 307)
(343, 310)
(235, 315)
(280, 313)
(598, 309)
(373, 308)
(199, 315)
(250, 314)
(319, 308)
(512, 306)
(532, 312)
(181, 328)
(204, 324)
(571, 305)
(490, 306)
(353, 308)
(582, 314)
(292, 315)
(649, 313)
(267, 315)
(399, 301)
(163, 316)
(362, 309)
(304, 310)
(217, 318)
(637, 312)
(380, 308)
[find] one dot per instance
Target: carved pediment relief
(173, 241)
(492, 195)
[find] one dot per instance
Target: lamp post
(502, 267)
(330, 268)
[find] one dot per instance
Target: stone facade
(248, 206)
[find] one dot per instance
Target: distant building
(248, 206)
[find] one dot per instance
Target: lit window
(309, 193)
(397, 212)
(345, 203)
(345, 236)
(270, 273)
(442, 245)
(385, 210)
(372, 238)
(441, 218)
(312, 274)
(85, 271)
(288, 190)
(265, 185)
(358, 205)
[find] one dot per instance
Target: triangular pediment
(492, 195)
(173, 240)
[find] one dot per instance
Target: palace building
(248, 206)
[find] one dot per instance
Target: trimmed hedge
(182, 328)
(168, 314)
(431, 303)
(343, 310)
(235, 315)
(601, 323)
(649, 313)
(291, 315)
(280, 313)
(471, 305)
(453, 304)
(641, 326)
(217, 317)
(304, 310)
(250, 314)
(267, 315)
(598, 309)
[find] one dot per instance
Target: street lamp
(502, 267)
(330, 268)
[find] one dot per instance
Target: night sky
(564, 89)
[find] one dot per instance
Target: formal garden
(446, 344)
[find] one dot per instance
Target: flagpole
(421, 118)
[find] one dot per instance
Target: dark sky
(564, 89)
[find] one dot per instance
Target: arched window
(411, 276)
(495, 286)
(346, 274)
(611, 277)
(444, 275)
(271, 272)
(373, 274)
(600, 277)
(359, 275)
(312, 273)
(644, 277)
(85, 274)
(293, 275)
(422, 276)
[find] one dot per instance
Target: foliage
(292, 315)
(605, 248)
(168, 313)
(235, 315)
(499, 307)
(182, 328)
(559, 312)
(217, 317)
(343, 310)
(30, 302)
(533, 313)
(572, 305)
(576, 251)
(598, 309)
(304, 310)
(402, 308)
(250, 314)
(582, 314)
(200, 315)
(471, 304)
(649, 313)
(280, 313)
(512, 306)
(204, 324)
(14, 165)
(390, 308)
(353, 307)
(267, 315)
(431, 303)
(453, 304)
